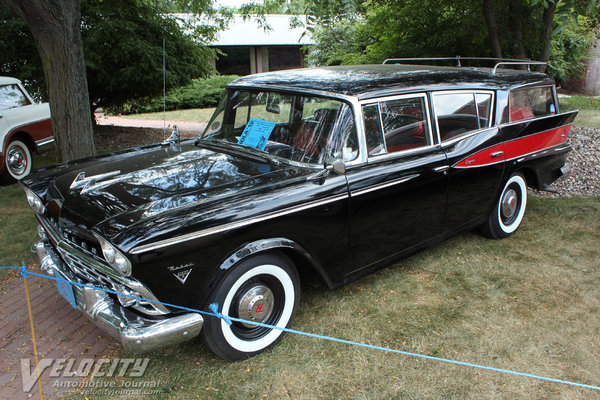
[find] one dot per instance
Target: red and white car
(24, 126)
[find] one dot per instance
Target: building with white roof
(249, 48)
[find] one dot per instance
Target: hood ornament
(81, 182)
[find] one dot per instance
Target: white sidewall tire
(510, 228)
(250, 346)
(27, 154)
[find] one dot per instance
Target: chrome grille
(89, 269)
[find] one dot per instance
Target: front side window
(462, 112)
(11, 96)
(396, 125)
(305, 129)
(531, 103)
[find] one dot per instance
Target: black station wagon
(316, 175)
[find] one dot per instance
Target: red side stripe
(517, 147)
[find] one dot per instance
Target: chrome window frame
(387, 156)
(468, 133)
(532, 86)
(352, 101)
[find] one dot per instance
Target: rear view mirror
(273, 103)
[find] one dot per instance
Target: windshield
(295, 127)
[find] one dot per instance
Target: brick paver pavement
(61, 332)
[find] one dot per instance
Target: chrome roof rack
(458, 59)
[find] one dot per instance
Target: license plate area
(65, 289)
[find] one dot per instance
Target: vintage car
(313, 175)
(24, 126)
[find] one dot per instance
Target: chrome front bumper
(137, 334)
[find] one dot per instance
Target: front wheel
(17, 161)
(509, 210)
(263, 288)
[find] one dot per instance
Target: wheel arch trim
(288, 246)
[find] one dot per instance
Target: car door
(397, 199)
(463, 120)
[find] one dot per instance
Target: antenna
(164, 93)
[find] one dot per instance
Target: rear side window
(531, 103)
(461, 112)
(397, 125)
(11, 96)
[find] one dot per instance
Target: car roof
(6, 80)
(366, 81)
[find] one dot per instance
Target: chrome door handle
(497, 154)
(443, 168)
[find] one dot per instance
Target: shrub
(201, 93)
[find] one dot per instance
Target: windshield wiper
(238, 149)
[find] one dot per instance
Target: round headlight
(34, 201)
(30, 198)
(121, 264)
(113, 257)
(109, 252)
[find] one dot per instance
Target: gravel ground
(584, 160)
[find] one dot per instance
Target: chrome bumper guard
(135, 333)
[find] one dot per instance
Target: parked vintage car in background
(316, 175)
(24, 126)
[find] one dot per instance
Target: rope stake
(35, 354)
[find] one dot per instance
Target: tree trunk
(490, 21)
(517, 11)
(547, 19)
(56, 29)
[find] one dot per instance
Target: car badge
(180, 273)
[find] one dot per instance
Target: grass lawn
(196, 114)
(589, 114)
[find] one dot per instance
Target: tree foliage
(123, 48)
(535, 29)
(123, 60)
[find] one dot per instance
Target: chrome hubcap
(509, 204)
(16, 160)
(256, 305)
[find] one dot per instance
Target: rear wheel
(264, 288)
(509, 210)
(17, 161)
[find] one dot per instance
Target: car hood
(120, 190)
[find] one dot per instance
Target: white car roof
(6, 80)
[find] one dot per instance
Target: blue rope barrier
(11, 267)
(214, 307)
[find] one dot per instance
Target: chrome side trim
(233, 225)
(384, 185)
(44, 142)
